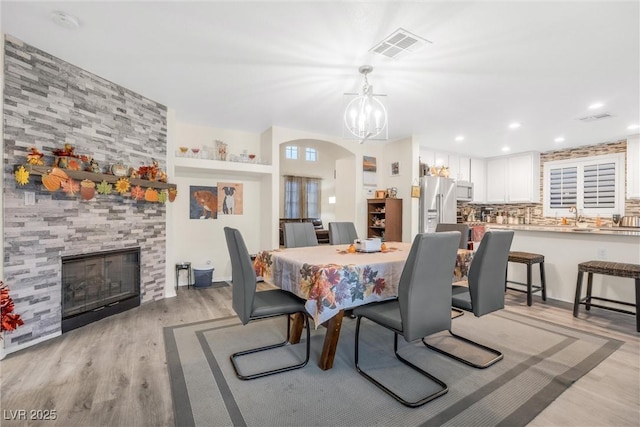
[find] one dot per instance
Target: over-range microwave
(464, 191)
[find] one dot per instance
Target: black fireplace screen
(95, 281)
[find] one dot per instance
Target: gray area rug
(541, 360)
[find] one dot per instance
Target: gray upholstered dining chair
(299, 234)
(462, 228)
(342, 233)
(423, 306)
(251, 305)
(485, 291)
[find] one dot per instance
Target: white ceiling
(250, 65)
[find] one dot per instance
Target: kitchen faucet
(574, 209)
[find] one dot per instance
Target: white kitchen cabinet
(427, 157)
(477, 175)
(497, 180)
(633, 167)
(523, 178)
(464, 169)
(514, 179)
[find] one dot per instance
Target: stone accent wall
(632, 206)
(47, 103)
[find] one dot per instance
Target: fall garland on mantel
(10, 321)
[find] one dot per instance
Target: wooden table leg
(296, 328)
(331, 341)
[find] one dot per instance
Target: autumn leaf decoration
(10, 321)
(123, 185)
(104, 188)
(70, 186)
(162, 196)
(137, 192)
(22, 175)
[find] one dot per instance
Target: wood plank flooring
(113, 372)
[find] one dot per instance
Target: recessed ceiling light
(596, 105)
(633, 127)
(65, 20)
(559, 139)
(459, 138)
(505, 149)
(514, 125)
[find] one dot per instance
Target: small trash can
(203, 277)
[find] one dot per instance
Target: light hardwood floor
(113, 372)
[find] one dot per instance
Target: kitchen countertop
(611, 231)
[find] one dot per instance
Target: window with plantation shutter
(563, 187)
(595, 185)
(599, 185)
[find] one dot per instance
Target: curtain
(301, 197)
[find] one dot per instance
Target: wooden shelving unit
(96, 177)
(389, 210)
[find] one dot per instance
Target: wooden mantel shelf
(96, 177)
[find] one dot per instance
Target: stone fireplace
(98, 285)
(47, 103)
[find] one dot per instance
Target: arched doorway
(333, 164)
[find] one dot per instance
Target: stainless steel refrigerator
(437, 202)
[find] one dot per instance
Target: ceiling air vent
(399, 43)
(594, 117)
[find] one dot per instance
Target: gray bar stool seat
(529, 259)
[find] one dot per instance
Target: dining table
(334, 278)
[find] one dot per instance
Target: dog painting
(203, 203)
(230, 198)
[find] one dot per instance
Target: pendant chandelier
(365, 116)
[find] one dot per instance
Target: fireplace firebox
(98, 285)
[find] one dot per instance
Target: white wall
(199, 241)
(404, 151)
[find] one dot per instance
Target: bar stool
(184, 266)
(529, 259)
(608, 268)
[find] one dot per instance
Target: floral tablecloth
(332, 279)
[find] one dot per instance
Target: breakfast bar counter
(564, 247)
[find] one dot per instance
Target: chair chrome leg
(498, 354)
(235, 356)
(443, 387)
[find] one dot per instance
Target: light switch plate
(29, 198)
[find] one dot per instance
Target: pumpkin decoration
(87, 189)
(123, 185)
(22, 175)
(137, 192)
(151, 195)
(54, 179)
(173, 192)
(104, 188)
(74, 164)
(70, 186)
(119, 169)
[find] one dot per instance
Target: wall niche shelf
(95, 177)
(205, 165)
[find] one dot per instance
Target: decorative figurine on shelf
(93, 166)
(66, 158)
(222, 149)
(152, 173)
(67, 151)
(35, 157)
